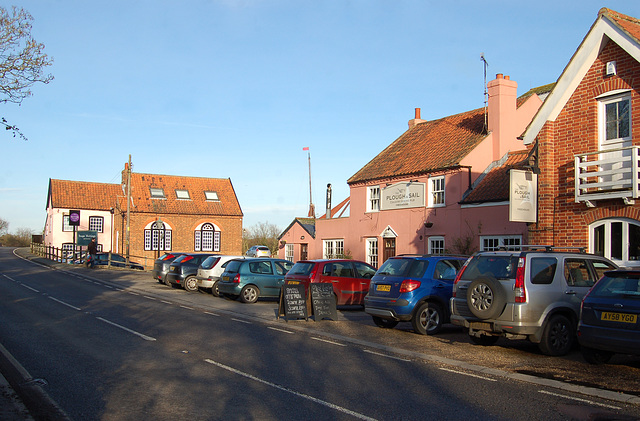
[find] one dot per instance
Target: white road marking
(166, 302)
(385, 355)
(211, 314)
(66, 304)
(579, 399)
(468, 374)
(28, 287)
(280, 330)
(186, 307)
(293, 392)
(242, 321)
(145, 337)
(149, 298)
(132, 293)
(327, 341)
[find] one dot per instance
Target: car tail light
(236, 279)
(518, 288)
(458, 276)
(312, 275)
(409, 285)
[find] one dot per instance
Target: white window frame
(182, 194)
(96, 223)
(603, 101)
(66, 226)
(437, 197)
(436, 245)
(625, 240)
(157, 239)
(156, 193)
(206, 238)
(373, 199)
(371, 251)
(288, 252)
(211, 196)
(332, 248)
(496, 242)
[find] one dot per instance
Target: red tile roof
(66, 194)
(196, 186)
(628, 24)
(426, 147)
(494, 186)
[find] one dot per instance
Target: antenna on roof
(486, 95)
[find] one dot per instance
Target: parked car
(102, 259)
(210, 270)
(350, 278)
(610, 317)
(253, 277)
(183, 270)
(413, 288)
(161, 267)
(534, 294)
(258, 251)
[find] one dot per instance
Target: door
(389, 248)
(304, 251)
(615, 134)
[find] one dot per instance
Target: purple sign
(74, 217)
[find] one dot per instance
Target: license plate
(618, 317)
(480, 326)
(383, 288)
(225, 278)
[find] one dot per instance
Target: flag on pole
(306, 148)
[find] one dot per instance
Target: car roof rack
(544, 247)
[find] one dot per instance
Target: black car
(610, 317)
(183, 270)
(102, 259)
(161, 266)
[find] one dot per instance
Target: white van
(210, 270)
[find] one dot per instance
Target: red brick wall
(561, 221)
(183, 227)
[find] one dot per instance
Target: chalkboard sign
(294, 302)
(323, 302)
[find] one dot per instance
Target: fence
(77, 257)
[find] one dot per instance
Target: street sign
(84, 237)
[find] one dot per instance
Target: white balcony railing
(607, 174)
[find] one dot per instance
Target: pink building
(441, 187)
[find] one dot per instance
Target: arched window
(617, 239)
(206, 238)
(157, 236)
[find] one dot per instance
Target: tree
(264, 234)
(4, 225)
(22, 60)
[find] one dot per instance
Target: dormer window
(156, 193)
(182, 194)
(211, 196)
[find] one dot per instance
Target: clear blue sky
(236, 88)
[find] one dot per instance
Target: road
(115, 345)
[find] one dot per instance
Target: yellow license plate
(225, 278)
(618, 317)
(383, 288)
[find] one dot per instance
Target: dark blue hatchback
(610, 317)
(414, 288)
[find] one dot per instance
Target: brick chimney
(502, 113)
(416, 120)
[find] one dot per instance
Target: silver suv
(530, 294)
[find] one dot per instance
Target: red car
(350, 278)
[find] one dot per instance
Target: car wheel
(595, 356)
(166, 281)
(384, 323)
(214, 289)
(427, 320)
(191, 284)
(249, 294)
(557, 337)
(486, 298)
(484, 340)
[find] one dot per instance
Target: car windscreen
(233, 266)
(395, 267)
(622, 285)
(210, 262)
(496, 266)
(301, 268)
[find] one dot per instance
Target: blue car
(413, 288)
(253, 278)
(610, 317)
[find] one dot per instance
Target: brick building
(587, 139)
(166, 213)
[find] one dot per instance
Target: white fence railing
(607, 174)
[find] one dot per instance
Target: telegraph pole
(127, 234)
